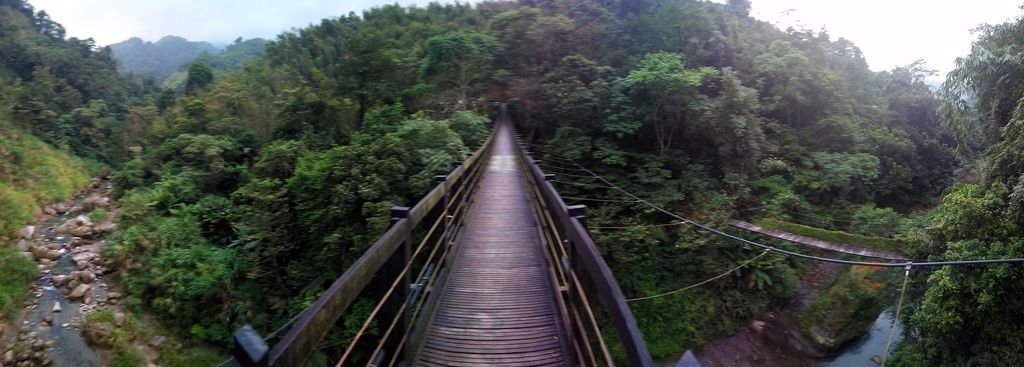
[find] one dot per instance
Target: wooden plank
(497, 307)
(594, 271)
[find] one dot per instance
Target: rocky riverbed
(67, 246)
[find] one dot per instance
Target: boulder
(53, 255)
(76, 210)
(81, 231)
(9, 357)
(83, 276)
(114, 295)
(73, 223)
(99, 334)
(95, 202)
(23, 245)
(78, 241)
(27, 232)
(84, 257)
(50, 210)
(107, 227)
(79, 291)
(60, 208)
(39, 252)
(60, 280)
(56, 307)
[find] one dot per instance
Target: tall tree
(459, 60)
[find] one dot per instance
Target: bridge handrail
(593, 271)
(302, 338)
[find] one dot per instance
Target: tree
(459, 60)
(736, 126)
(666, 94)
(199, 76)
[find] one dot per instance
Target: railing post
(388, 273)
(250, 348)
(579, 212)
(444, 213)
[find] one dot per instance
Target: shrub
(17, 272)
(98, 215)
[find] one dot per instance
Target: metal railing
(589, 289)
(384, 273)
(402, 271)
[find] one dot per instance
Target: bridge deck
(498, 306)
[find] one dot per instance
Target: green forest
(237, 181)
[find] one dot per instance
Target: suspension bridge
(489, 268)
(492, 268)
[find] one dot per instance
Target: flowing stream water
(869, 349)
(60, 331)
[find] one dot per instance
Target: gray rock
(83, 276)
(105, 228)
(86, 257)
(60, 280)
(27, 232)
(24, 245)
(79, 291)
(9, 357)
(56, 307)
(94, 202)
(53, 255)
(50, 210)
(39, 252)
(81, 231)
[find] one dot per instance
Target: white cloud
(894, 32)
(890, 32)
(112, 21)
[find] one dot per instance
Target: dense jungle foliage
(235, 188)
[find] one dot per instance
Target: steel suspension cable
(703, 282)
(899, 305)
(791, 253)
(394, 285)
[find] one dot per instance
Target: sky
(889, 32)
(894, 33)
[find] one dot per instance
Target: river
(860, 352)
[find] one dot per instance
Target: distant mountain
(167, 60)
(160, 59)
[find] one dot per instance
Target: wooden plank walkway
(814, 242)
(498, 305)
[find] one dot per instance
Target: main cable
(787, 252)
(706, 281)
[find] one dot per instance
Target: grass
(172, 356)
(877, 243)
(172, 352)
(98, 215)
(17, 272)
(32, 174)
